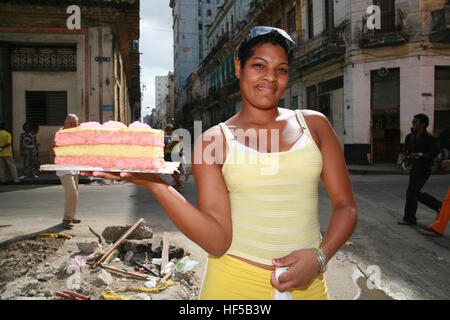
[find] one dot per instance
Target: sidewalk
(385, 168)
(49, 177)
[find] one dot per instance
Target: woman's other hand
(145, 180)
(303, 267)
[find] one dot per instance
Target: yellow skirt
(228, 278)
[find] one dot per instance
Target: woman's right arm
(209, 225)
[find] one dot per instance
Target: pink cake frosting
(107, 137)
(114, 124)
(112, 162)
(120, 136)
(90, 124)
(139, 125)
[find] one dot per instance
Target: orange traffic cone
(444, 215)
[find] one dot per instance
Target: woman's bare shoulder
(213, 132)
(313, 115)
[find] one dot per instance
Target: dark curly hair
(423, 118)
(246, 48)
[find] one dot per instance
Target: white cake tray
(169, 168)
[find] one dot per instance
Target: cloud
(156, 46)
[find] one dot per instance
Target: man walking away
(423, 148)
(69, 180)
(6, 156)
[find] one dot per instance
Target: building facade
(191, 20)
(368, 82)
(50, 67)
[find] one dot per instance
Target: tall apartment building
(161, 89)
(191, 21)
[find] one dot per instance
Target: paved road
(405, 262)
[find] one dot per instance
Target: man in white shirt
(69, 180)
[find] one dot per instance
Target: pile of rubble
(123, 263)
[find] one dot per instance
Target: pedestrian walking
(28, 150)
(6, 156)
(172, 143)
(35, 130)
(422, 148)
(69, 181)
(258, 218)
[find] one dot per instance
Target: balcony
(328, 45)
(440, 31)
(392, 32)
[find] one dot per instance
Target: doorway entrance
(385, 115)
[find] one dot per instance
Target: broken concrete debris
(113, 233)
(88, 246)
(130, 259)
(103, 278)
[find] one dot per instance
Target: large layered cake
(112, 145)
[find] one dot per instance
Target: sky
(156, 46)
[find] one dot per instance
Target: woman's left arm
(304, 264)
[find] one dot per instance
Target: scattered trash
(128, 256)
(53, 235)
(150, 284)
(186, 265)
(108, 294)
(71, 295)
(167, 268)
(162, 286)
(108, 255)
(73, 282)
(95, 234)
(348, 243)
(131, 259)
(127, 273)
(142, 296)
(440, 259)
(165, 252)
(76, 264)
(145, 268)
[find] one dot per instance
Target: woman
(251, 220)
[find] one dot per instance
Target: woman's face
(264, 76)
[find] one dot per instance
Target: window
(387, 15)
(46, 107)
(310, 19)
(200, 26)
(442, 98)
(311, 97)
(329, 14)
(385, 88)
(209, 13)
(294, 105)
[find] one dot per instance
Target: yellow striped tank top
(273, 197)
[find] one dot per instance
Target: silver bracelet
(321, 258)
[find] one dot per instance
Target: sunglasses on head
(262, 30)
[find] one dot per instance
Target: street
(404, 262)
